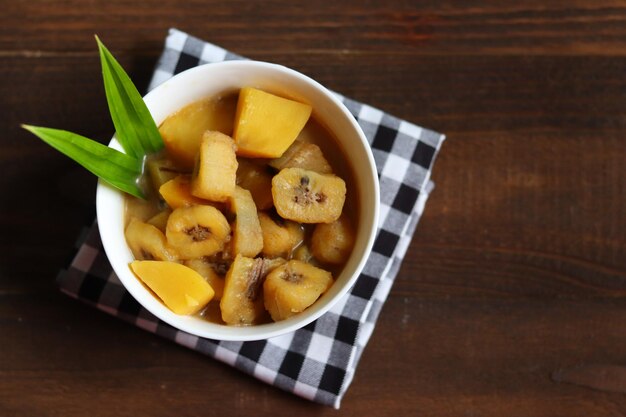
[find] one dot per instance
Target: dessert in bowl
(274, 188)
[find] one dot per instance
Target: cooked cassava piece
(242, 303)
(247, 233)
(215, 173)
(265, 124)
(197, 231)
(280, 236)
(242, 298)
(228, 213)
(181, 288)
(332, 243)
(292, 287)
(148, 242)
(308, 197)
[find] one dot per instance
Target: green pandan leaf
(116, 168)
(135, 128)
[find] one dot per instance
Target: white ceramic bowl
(210, 80)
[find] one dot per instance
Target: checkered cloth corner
(319, 361)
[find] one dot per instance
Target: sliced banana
(147, 242)
(308, 197)
(207, 271)
(159, 220)
(303, 253)
(270, 264)
(332, 243)
(221, 261)
(293, 287)
(280, 236)
(197, 231)
(303, 155)
(256, 179)
(281, 162)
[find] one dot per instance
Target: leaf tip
(30, 128)
(102, 49)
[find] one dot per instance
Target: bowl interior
(213, 79)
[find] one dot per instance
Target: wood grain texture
(512, 301)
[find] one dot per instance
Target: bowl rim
(245, 333)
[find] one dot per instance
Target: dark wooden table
(512, 301)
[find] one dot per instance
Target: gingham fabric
(319, 361)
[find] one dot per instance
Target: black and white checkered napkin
(317, 362)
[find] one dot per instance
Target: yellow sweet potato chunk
(265, 124)
(177, 193)
(181, 289)
(182, 131)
